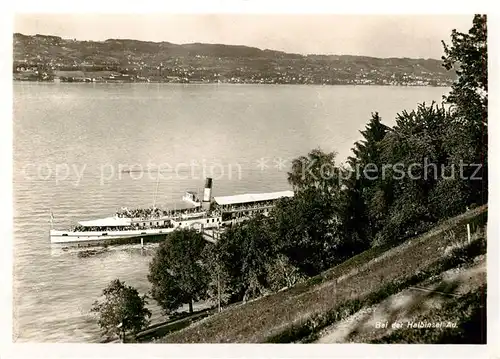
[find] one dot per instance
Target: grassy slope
(470, 308)
(459, 275)
(267, 317)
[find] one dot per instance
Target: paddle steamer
(208, 215)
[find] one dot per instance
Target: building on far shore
(68, 76)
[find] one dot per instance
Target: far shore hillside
(51, 58)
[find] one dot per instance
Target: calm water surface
(72, 140)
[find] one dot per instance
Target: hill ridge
(205, 62)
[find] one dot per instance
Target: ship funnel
(207, 193)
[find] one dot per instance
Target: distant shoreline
(225, 83)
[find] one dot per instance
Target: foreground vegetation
(123, 310)
(294, 313)
(343, 240)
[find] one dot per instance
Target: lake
(74, 143)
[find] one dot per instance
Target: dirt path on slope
(376, 321)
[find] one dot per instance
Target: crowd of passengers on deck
(146, 213)
(80, 228)
(155, 213)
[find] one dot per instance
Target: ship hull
(88, 238)
(68, 237)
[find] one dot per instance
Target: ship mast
(51, 219)
(157, 184)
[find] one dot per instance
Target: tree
(415, 152)
(245, 262)
(468, 132)
(310, 222)
(367, 150)
(177, 273)
(468, 55)
(220, 290)
(363, 202)
(282, 274)
(123, 310)
(438, 142)
(244, 252)
(306, 229)
(317, 171)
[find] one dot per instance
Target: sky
(415, 36)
